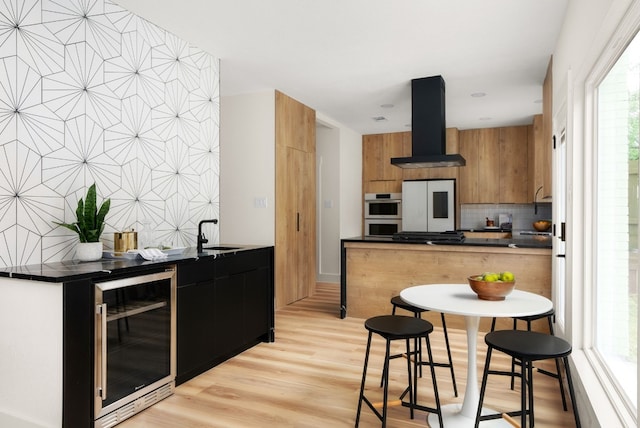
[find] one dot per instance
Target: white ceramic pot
(88, 251)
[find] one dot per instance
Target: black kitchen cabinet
(195, 321)
(78, 353)
(225, 306)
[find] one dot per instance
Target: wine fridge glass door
(135, 334)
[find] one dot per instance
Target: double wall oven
(135, 347)
(382, 214)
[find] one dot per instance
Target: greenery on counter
(89, 222)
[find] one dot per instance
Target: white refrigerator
(428, 205)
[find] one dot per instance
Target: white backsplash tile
(473, 216)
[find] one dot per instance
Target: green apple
(507, 276)
(490, 277)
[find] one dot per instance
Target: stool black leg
(433, 378)
(483, 387)
(364, 377)
(571, 391)
(446, 340)
(559, 377)
(530, 386)
(412, 385)
(385, 393)
(513, 360)
(384, 376)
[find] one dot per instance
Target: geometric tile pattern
(90, 92)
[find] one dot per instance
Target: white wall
(350, 171)
(338, 193)
(247, 168)
(328, 203)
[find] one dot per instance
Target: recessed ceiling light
(379, 118)
(478, 94)
(387, 105)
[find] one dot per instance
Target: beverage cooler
(135, 349)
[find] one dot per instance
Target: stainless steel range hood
(428, 127)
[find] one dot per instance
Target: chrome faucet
(201, 237)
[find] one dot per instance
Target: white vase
(89, 251)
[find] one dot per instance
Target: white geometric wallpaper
(90, 92)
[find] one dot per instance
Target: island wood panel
(375, 272)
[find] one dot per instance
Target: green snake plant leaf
(80, 221)
(90, 221)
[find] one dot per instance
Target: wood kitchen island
(373, 270)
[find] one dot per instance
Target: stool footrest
(417, 406)
(505, 373)
(548, 373)
(380, 404)
(499, 415)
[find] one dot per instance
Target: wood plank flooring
(310, 377)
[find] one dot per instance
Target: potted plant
(89, 225)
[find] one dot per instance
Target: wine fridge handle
(103, 351)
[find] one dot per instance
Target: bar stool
(397, 302)
(398, 327)
(550, 315)
(526, 347)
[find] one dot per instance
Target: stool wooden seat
(398, 327)
(397, 302)
(526, 347)
(550, 315)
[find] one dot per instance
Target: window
(615, 307)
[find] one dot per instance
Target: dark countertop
(71, 270)
(515, 242)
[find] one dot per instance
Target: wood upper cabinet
(541, 146)
(496, 170)
(468, 175)
(514, 175)
(378, 175)
(295, 259)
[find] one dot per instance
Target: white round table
(459, 299)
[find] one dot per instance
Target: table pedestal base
(452, 418)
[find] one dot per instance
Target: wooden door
(295, 267)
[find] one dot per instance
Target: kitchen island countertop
(514, 242)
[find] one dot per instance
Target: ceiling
(351, 59)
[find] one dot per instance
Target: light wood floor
(310, 377)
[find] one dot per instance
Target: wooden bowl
(541, 225)
(491, 290)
